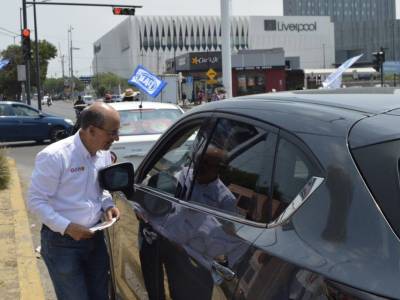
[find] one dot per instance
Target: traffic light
(26, 43)
(379, 59)
(123, 11)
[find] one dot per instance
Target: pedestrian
(129, 95)
(65, 194)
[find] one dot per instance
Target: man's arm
(44, 183)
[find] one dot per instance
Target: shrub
(4, 170)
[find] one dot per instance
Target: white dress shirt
(64, 186)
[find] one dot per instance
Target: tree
(53, 86)
(9, 84)
(103, 82)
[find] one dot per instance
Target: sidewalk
(19, 274)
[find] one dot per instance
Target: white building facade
(151, 40)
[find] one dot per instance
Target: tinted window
(232, 173)
(21, 110)
(380, 166)
(163, 174)
(292, 172)
(5, 110)
(153, 121)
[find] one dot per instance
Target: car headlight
(69, 121)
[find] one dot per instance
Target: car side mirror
(118, 177)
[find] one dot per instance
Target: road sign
(21, 73)
(212, 81)
(211, 74)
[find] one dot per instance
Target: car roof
(12, 102)
(127, 105)
(322, 112)
(369, 100)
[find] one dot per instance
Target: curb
(30, 285)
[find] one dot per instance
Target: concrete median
(19, 273)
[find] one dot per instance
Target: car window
(147, 121)
(25, 111)
(7, 110)
(233, 174)
(294, 168)
(163, 174)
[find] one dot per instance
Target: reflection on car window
(147, 121)
(233, 175)
(292, 172)
(24, 111)
(163, 175)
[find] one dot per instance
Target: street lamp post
(37, 67)
(174, 45)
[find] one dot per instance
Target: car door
(219, 207)
(269, 273)
(31, 123)
(134, 240)
(9, 124)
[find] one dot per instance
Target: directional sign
(211, 73)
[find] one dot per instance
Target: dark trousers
(79, 270)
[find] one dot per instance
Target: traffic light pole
(39, 98)
(26, 60)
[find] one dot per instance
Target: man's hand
(112, 212)
(78, 232)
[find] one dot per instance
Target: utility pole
(226, 13)
(27, 61)
(174, 44)
(37, 59)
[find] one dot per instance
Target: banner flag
(3, 63)
(334, 80)
(147, 81)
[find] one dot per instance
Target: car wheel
(56, 134)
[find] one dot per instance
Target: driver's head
(210, 165)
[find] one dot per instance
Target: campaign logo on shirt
(77, 169)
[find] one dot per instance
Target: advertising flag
(334, 80)
(147, 81)
(3, 63)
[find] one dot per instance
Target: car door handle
(223, 271)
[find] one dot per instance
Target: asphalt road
(24, 154)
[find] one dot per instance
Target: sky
(90, 23)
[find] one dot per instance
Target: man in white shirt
(66, 196)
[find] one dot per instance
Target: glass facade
(361, 26)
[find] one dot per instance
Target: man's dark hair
(91, 117)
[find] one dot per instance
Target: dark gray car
(273, 196)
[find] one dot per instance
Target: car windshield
(147, 121)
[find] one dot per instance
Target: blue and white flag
(147, 81)
(3, 63)
(334, 80)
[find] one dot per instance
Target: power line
(9, 31)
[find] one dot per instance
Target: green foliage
(53, 86)
(4, 170)
(108, 82)
(9, 84)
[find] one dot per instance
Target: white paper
(103, 225)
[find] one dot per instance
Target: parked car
(20, 122)
(116, 98)
(142, 123)
(289, 195)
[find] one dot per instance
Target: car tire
(56, 134)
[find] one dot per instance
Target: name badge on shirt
(77, 169)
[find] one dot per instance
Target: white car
(141, 127)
